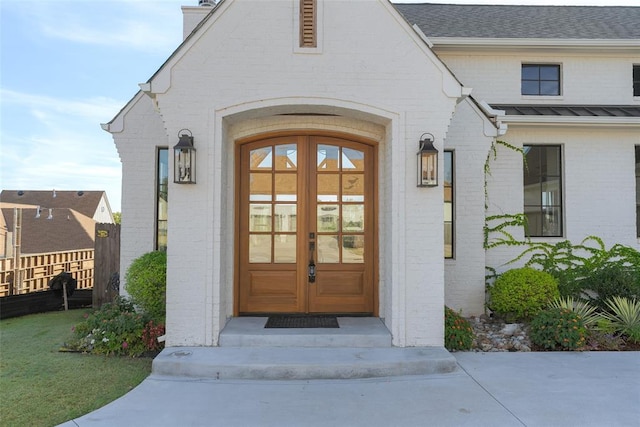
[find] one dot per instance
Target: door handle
(312, 272)
(312, 264)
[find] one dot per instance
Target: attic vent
(80, 193)
(307, 23)
(20, 193)
(206, 2)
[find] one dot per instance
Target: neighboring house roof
(524, 22)
(84, 202)
(569, 110)
(67, 230)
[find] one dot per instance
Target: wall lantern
(427, 162)
(184, 159)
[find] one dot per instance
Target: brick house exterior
(249, 72)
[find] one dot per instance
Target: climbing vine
(499, 224)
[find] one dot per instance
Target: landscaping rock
(493, 335)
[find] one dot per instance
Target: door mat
(302, 322)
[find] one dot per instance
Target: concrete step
(353, 332)
(300, 363)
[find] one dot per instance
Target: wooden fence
(36, 270)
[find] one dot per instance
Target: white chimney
(193, 15)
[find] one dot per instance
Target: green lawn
(40, 386)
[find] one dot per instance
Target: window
(448, 204)
(162, 189)
(543, 190)
(636, 80)
(638, 190)
(307, 23)
(541, 79)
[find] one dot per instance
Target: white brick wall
(232, 74)
(598, 188)
(231, 80)
(595, 77)
(142, 133)
(464, 274)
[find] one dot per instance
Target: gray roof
(85, 202)
(546, 22)
(570, 110)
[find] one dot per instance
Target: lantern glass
(184, 161)
(427, 164)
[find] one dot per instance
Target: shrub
(623, 318)
(610, 281)
(116, 329)
(558, 329)
(147, 283)
(600, 340)
(522, 292)
(580, 267)
(583, 309)
(458, 334)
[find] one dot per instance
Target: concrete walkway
(487, 389)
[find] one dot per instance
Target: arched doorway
(306, 232)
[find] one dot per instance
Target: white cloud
(123, 24)
(96, 109)
(62, 146)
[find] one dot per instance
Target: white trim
(547, 43)
(569, 120)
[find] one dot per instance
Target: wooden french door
(306, 229)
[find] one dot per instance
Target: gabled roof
(524, 22)
(67, 230)
(84, 202)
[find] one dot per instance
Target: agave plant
(582, 308)
(623, 318)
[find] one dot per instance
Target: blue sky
(68, 65)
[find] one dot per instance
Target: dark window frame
(162, 153)
(637, 173)
(534, 77)
(545, 209)
(636, 80)
(451, 154)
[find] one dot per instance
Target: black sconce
(427, 162)
(184, 159)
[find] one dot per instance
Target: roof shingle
(526, 22)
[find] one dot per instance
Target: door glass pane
(284, 248)
(353, 187)
(328, 158)
(328, 218)
(328, 251)
(353, 218)
(353, 249)
(286, 217)
(286, 157)
(260, 158)
(328, 187)
(259, 217)
(260, 187)
(259, 248)
(286, 187)
(352, 159)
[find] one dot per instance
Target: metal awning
(569, 110)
